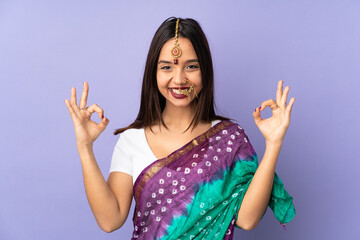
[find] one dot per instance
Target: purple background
(47, 47)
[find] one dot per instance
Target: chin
(181, 103)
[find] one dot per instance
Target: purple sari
(196, 191)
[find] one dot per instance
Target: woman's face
(170, 76)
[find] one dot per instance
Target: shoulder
(236, 131)
(132, 132)
(214, 122)
(233, 126)
(239, 139)
(131, 136)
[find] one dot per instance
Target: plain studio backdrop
(47, 47)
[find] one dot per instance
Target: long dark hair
(152, 102)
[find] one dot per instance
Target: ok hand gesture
(86, 130)
(274, 128)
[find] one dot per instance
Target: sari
(196, 191)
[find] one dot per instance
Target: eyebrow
(168, 62)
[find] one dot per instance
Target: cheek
(199, 81)
(199, 88)
(162, 83)
(160, 78)
(194, 77)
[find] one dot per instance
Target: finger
(279, 91)
(84, 95)
(271, 103)
(282, 102)
(289, 106)
(257, 116)
(73, 98)
(70, 108)
(95, 108)
(104, 122)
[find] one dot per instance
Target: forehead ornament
(176, 50)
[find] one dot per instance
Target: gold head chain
(176, 53)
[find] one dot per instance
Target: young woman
(193, 174)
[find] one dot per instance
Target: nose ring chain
(188, 91)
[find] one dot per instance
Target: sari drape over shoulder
(196, 191)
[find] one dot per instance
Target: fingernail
(260, 107)
(102, 116)
(255, 110)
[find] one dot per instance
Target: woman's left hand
(274, 128)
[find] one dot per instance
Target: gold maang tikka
(176, 51)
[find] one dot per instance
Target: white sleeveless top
(132, 152)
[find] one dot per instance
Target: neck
(178, 118)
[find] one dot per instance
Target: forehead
(185, 45)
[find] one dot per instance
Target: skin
(273, 129)
(178, 113)
(110, 200)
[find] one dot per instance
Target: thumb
(256, 115)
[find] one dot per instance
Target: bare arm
(273, 129)
(109, 201)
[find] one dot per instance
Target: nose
(179, 77)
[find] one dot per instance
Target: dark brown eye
(193, 66)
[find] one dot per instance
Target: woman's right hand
(86, 130)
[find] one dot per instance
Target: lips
(177, 94)
(182, 88)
